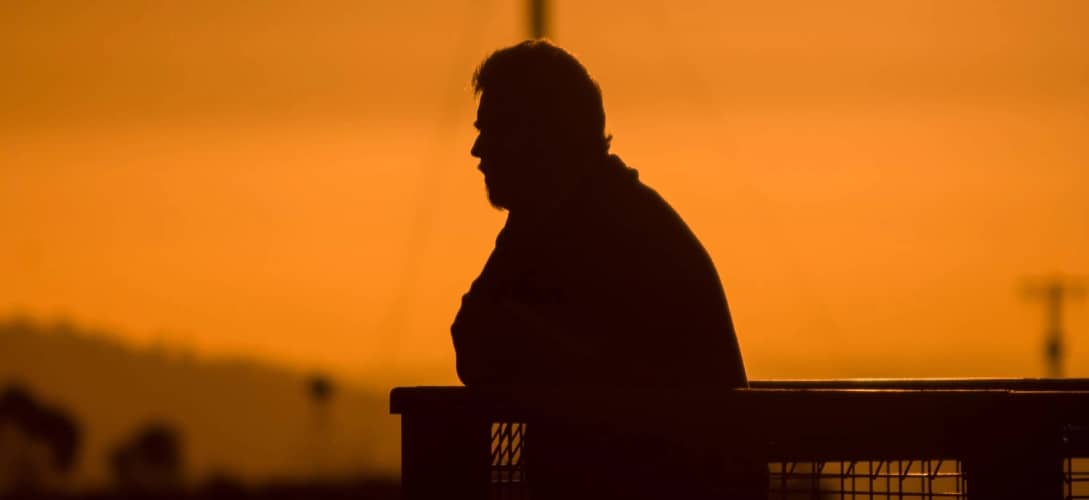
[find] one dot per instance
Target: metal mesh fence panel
(928, 479)
(867, 479)
(508, 477)
(1077, 478)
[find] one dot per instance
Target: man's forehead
(494, 108)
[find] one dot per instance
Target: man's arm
(481, 344)
(499, 340)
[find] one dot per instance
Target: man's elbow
(471, 373)
(478, 370)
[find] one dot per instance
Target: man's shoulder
(624, 200)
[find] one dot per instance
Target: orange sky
(873, 179)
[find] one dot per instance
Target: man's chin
(498, 202)
(498, 205)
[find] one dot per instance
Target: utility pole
(538, 18)
(320, 389)
(1054, 291)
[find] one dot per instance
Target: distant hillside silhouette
(238, 418)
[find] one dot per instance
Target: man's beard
(499, 194)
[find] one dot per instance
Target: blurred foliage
(38, 443)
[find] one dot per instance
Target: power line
(392, 325)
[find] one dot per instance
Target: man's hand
(494, 336)
(498, 319)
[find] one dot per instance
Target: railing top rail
(1024, 384)
(855, 404)
(804, 420)
(446, 394)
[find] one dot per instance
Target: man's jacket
(610, 288)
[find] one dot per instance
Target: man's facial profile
(502, 146)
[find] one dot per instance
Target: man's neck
(571, 177)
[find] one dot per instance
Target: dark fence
(978, 439)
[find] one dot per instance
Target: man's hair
(549, 87)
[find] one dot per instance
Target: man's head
(540, 112)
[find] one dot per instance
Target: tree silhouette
(150, 461)
(38, 443)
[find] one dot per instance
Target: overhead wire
(392, 326)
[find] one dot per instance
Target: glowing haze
(874, 180)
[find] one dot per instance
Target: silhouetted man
(594, 282)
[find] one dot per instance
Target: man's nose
(476, 147)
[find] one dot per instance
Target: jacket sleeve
(480, 342)
(483, 351)
(520, 321)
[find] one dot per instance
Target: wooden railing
(959, 438)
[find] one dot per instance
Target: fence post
(1016, 460)
(445, 456)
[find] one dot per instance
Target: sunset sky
(291, 181)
